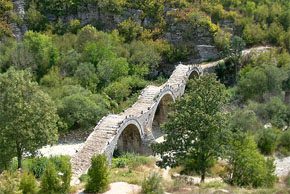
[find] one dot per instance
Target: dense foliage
(28, 118)
(82, 59)
(98, 175)
(196, 130)
(247, 167)
(38, 175)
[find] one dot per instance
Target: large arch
(161, 114)
(194, 74)
(130, 139)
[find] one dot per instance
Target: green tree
(50, 181)
(87, 76)
(247, 167)
(130, 30)
(275, 33)
(112, 69)
(35, 52)
(28, 118)
(253, 34)
(144, 54)
(246, 120)
(118, 91)
(35, 20)
(81, 111)
(257, 81)
(196, 129)
(98, 174)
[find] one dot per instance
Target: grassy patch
(126, 175)
(175, 185)
(213, 184)
(131, 168)
(132, 161)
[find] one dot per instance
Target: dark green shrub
(152, 184)
(28, 183)
(98, 174)
(50, 181)
(285, 142)
(38, 165)
(268, 141)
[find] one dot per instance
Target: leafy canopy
(196, 129)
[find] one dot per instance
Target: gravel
(282, 166)
(60, 149)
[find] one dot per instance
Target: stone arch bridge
(139, 125)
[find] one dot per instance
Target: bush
(287, 180)
(247, 167)
(50, 182)
(63, 166)
(38, 165)
(28, 184)
(285, 142)
(152, 184)
(9, 182)
(98, 174)
(130, 30)
(268, 141)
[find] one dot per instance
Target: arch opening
(161, 115)
(193, 75)
(129, 141)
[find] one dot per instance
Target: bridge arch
(161, 113)
(130, 137)
(194, 73)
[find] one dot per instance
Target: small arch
(194, 74)
(161, 114)
(130, 140)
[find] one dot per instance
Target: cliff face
(18, 27)
(196, 38)
(193, 39)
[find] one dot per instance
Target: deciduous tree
(28, 118)
(196, 129)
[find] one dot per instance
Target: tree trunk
(202, 177)
(287, 97)
(19, 156)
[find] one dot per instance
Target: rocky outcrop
(19, 28)
(207, 52)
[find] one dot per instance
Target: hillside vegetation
(64, 64)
